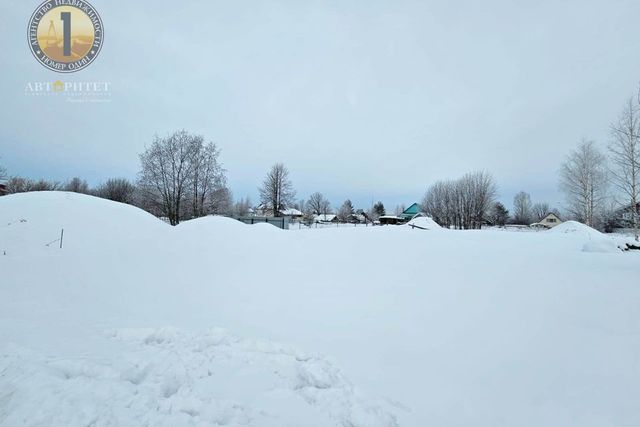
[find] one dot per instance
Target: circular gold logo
(65, 35)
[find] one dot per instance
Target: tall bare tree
(318, 205)
(276, 192)
(522, 208)
(179, 175)
(540, 210)
(208, 190)
(624, 153)
(583, 179)
(242, 207)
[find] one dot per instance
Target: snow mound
(601, 246)
(167, 377)
(424, 222)
(35, 220)
(576, 228)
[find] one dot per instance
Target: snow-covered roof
(291, 212)
(325, 217)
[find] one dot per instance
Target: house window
(551, 220)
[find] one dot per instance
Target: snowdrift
(424, 222)
(34, 221)
(575, 228)
(134, 322)
(594, 241)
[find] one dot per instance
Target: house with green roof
(410, 212)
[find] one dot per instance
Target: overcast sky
(359, 99)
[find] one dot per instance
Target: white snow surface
(425, 222)
(214, 322)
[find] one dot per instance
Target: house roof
(626, 208)
(291, 212)
(325, 217)
(412, 210)
(550, 214)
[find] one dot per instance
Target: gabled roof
(412, 210)
(291, 212)
(551, 214)
(325, 217)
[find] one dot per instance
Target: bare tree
(624, 152)
(179, 175)
(208, 190)
(522, 208)
(481, 192)
(318, 205)
(77, 185)
(583, 179)
(276, 192)
(17, 184)
(44, 185)
(3, 172)
(540, 210)
(220, 202)
(242, 207)
(463, 203)
(440, 204)
(117, 189)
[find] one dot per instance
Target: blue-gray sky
(360, 99)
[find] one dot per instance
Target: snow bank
(575, 228)
(34, 221)
(601, 246)
(424, 222)
(593, 240)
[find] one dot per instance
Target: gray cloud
(360, 99)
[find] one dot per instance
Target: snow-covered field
(215, 322)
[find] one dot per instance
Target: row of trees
(595, 182)
(116, 189)
(463, 203)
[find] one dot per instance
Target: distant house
(410, 212)
(325, 218)
(390, 219)
(263, 210)
(3, 188)
(356, 218)
(293, 213)
(549, 221)
(623, 217)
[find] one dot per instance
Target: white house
(549, 221)
(293, 213)
(325, 218)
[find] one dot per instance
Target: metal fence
(280, 222)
